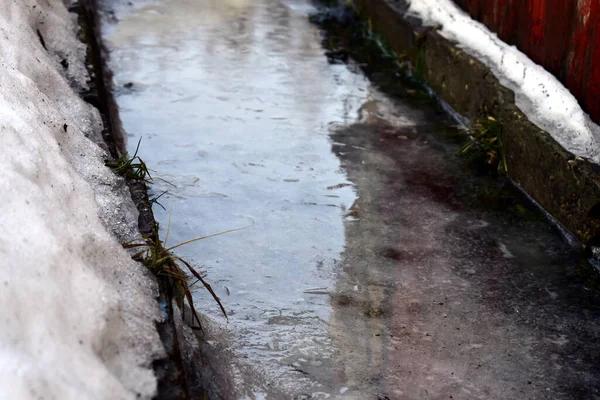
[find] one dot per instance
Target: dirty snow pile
(541, 97)
(77, 314)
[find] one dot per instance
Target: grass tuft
(153, 253)
(131, 167)
(486, 144)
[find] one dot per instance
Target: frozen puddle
(235, 101)
(371, 268)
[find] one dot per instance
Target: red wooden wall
(561, 35)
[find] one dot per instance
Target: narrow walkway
(376, 266)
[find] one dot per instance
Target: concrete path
(376, 266)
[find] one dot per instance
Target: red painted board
(561, 35)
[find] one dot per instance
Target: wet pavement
(374, 265)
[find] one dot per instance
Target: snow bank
(77, 314)
(539, 95)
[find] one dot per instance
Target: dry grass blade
(169, 224)
(161, 261)
(195, 316)
(153, 253)
(206, 285)
(206, 237)
(165, 181)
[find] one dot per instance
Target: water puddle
(234, 101)
(370, 267)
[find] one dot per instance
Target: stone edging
(177, 379)
(568, 188)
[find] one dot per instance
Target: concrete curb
(568, 188)
(176, 374)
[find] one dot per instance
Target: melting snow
(541, 97)
(77, 314)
